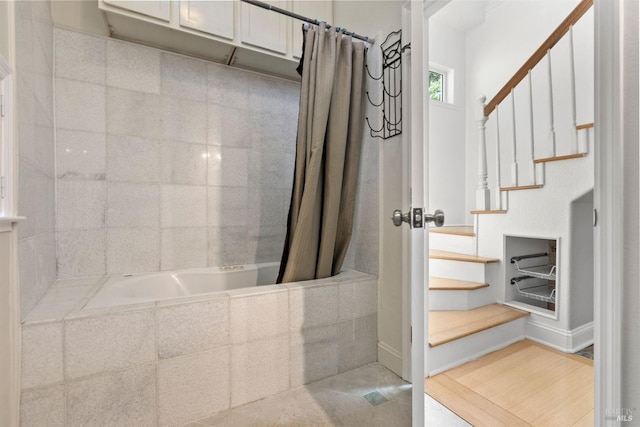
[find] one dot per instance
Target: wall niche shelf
(531, 275)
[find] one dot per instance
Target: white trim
(6, 222)
(609, 204)
(560, 339)
(7, 205)
(390, 358)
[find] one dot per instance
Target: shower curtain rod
(305, 19)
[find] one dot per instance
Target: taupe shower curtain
(328, 150)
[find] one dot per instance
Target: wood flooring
(525, 384)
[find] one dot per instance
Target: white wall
(447, 126)
(377, 19)
(511, 33)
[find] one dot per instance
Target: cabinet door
(160, 9)
(212, 17)
(264, 28)
(322, 10)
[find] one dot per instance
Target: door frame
(612, 77)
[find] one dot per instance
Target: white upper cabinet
(264, 28)
(212, 17)
(160, 9)
(314, 9)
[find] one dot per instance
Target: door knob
(437, 218)
(398, 217)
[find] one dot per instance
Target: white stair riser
(463, 350)
(459, 270)
(460, 300)
(452, 243)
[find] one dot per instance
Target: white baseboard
(390, 358)
(560, 339)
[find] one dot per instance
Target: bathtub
(119, 290)
(173, 347)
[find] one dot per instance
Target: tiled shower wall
(34, 89)
(167, 162)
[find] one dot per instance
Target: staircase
(465, 319)
(465, 322)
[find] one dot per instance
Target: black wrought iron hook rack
(391, 78)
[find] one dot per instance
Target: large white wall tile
(259, 369)
(266, 243)
(228, 167)
(43, 407)
(267, 207)
(133, 159)
(134, 67)
(228, 245)
(189, 328)
(133, 250)
(36, 201)
(37, 268)
(94, 345)
(192, 387)
(184, 206)
(80, 56)
(184, 163)
(259, 316)
(125, 398)
(80, 106)
(184, 120)
(134, 113)
(228, 87)
(357, 342)
(184, 247)
(314, 354)
(227, 206)
(133, 205)
(183, 77)
(358, 299)
(41, 355)
(81, 253)
(81, 155)
(312, 306)
(81, 204)
(235, 125)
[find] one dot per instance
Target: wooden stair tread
(458, 230)
(521, 187)
(489, 212)
(444, 284)
(558, 158)
(446, 326)
(585, 126)
(454, 256)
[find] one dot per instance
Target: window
(440, 84)
(436, 86)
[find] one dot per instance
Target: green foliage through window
(436, 86)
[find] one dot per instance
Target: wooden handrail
(554, 38)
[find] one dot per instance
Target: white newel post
(482, 193)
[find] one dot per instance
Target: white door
(416, 160)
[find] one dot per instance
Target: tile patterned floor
(368, 396)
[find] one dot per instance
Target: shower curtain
(328, 150)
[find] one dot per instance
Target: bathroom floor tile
(367, 396)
